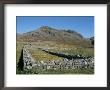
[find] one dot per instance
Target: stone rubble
(30, 63)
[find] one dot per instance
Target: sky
(81, 24)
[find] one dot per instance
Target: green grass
(41, 55)
(58, 71)
(76, 51)
(68, 71)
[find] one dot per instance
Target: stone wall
(30, 63)
(27, 59)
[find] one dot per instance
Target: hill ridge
(46, 33)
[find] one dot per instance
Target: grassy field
(53, 47)
(75, 51)
(38, 54)
(58, 71)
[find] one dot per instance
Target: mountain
(46, 33)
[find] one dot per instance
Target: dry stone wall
(27, 59)
(30, 63)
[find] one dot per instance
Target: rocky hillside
(46, 33)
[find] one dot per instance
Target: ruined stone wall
(30, 63)
(27, 59)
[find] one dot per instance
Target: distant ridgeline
(46, 33)
(30, 63)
